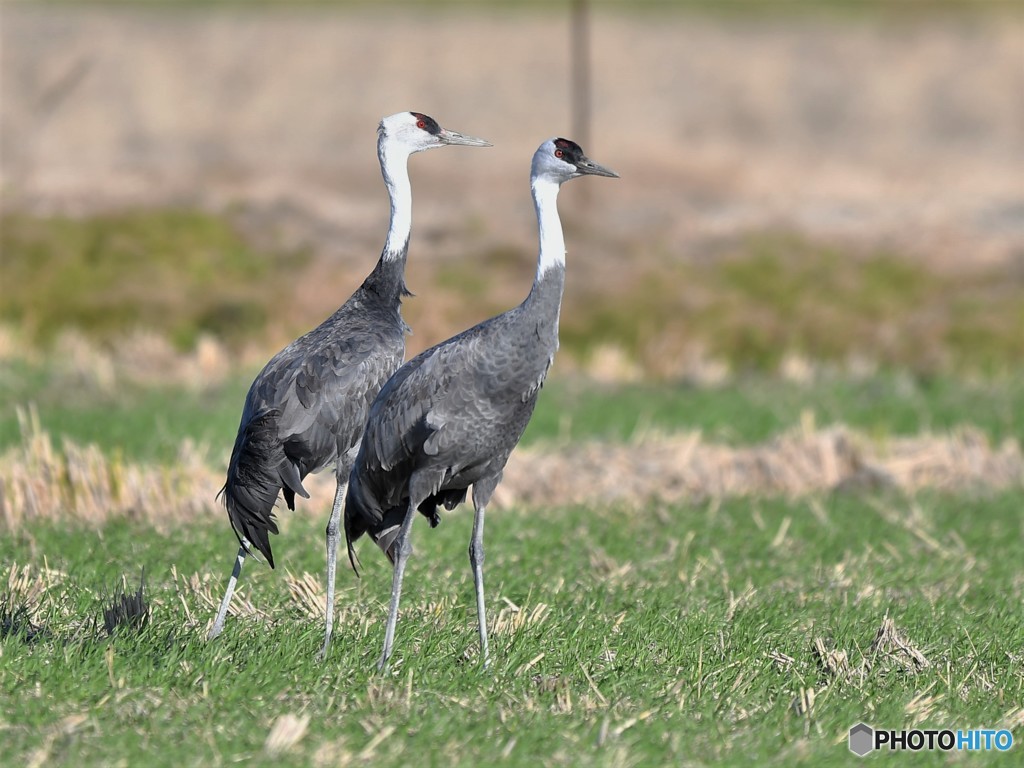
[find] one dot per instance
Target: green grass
(757, 407)
(150, 424)
(670, 635)
(185, 273)
(180, 272)
(774, 294)
(142, 423)
(663, 642)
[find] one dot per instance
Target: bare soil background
(903, 133)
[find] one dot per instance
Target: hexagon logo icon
(862, 739)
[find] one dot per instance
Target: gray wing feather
(448, 419)
(306, 408)
(323, 397)
(450, 404)
(408, 414)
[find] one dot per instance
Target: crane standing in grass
(306, 409)
(451, 416)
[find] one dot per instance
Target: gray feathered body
(451, 416)
(307, 408)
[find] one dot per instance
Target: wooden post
(581, 87)
(580, 47)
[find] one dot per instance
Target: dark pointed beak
(588, 167)
(461, 140)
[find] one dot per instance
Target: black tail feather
(259, 470)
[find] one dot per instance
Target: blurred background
(187, 187)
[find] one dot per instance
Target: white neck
(552, 243)
(394, 165)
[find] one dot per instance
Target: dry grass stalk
(27, 584)
(22, 596)
(803, 703)
(40, 481)
(141, 358)
(308, 593)
(286, 732)
(922, 707)
(208, 591)
(512, 618)
(781, 660)
(891, 643)
(890, 649)
(1013, 719)
(681, 467)
(833, 663)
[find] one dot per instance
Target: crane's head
(558, 160)
(415, 132)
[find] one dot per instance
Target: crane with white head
(450, 417)
(306, 409)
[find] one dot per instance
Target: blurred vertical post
(581, 87)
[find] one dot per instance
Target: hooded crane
(450, 417)
(306, 409)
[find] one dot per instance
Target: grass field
(152, 422)
(718, 632)
(773, 487)
(679, 635)
(724, 631)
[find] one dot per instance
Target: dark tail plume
(258, 471)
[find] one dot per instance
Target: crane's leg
(482, 491)
(333, 529)
(476, 560)
(403, 548)
(218, 623)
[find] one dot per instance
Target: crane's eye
(559, 153)
(421, 124)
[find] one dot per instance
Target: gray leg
(333, 528)
(218, 623)
(403, 548)
(476, 559)
(482, 490)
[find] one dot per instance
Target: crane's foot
(322, 656)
